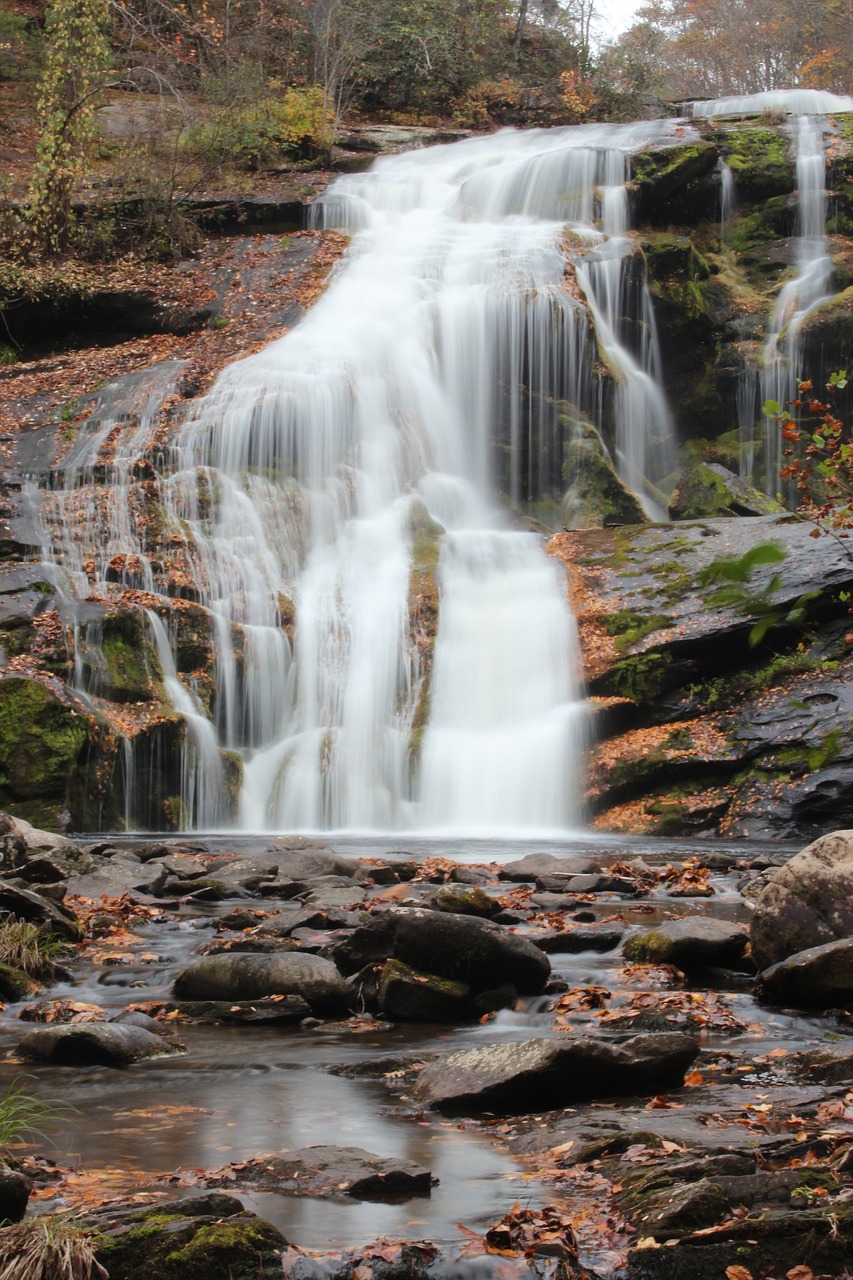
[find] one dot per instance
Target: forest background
(201, 92)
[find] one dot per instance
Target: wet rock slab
(332, 1173)
(535, 1075)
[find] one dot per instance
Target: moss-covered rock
(709, 490)
(166, 1245)
(42, 741)
(760, 160)
(414, 996)
(595, 496)
(674, 184)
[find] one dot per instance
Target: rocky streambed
(367, 1059)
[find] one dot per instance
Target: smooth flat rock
(583, 937)
(534, 865)
(308, 862)
(248, 976)
(336, 1173)
(692, 943)
(807, 902)
(535, 1075)
(817, 978)
(91, 1044)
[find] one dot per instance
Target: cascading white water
(432, 373)
(728, 197)
(781, 364)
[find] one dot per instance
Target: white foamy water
(430, 376)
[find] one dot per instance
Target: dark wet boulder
(411, 996)
(335, 1173)
(691, 943)
(38, 908)
(91, 1044)
(247, 976)
(467, 949)
(817, 978)
(807, 902)
(534, 1075)
(15, 1190)
(582, 937)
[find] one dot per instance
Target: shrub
(265, 132)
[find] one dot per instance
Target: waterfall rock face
(311, 598)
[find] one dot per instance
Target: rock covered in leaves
(532, 1075)
(91, 1044)
(807, 902)
(251, 976)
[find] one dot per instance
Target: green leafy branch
(737, 591)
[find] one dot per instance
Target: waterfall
(781, 360)
(337, 488)
(728, 197)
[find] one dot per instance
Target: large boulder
(534, 1075)
(818, 978)
(91, 1044)
(480, 953)
(807, 903)
(691, 943)
(251, 976)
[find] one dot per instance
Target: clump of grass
(8, 355)
(22, 1114)
(27, 946)
(51, 1248)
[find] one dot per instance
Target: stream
(244, 1090)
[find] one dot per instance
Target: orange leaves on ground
(526, 1233)
(738, 1272)
(580, 1000)
(58, 1011)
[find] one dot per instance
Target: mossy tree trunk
(76, 60)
